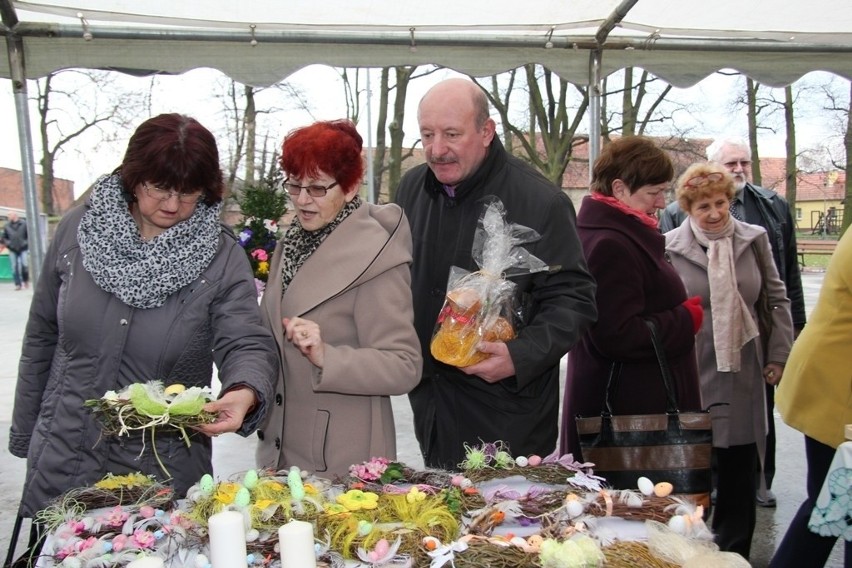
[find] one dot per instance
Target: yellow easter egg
(176, 388)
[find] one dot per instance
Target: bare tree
(388, 160)
(74, 103)
(244, 116)
(635, 117)
(555, 115)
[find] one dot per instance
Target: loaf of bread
(460, 329)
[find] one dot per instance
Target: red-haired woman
(141, 283)
(339, 303)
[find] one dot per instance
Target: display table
(833, 508)
(514, 516)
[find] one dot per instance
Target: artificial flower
(119, 543)
(414, 495)
(334, 508)
(123, 481)
(357, 500)
(226, 492)
(116, 517)
(143, 539)
(260, 254)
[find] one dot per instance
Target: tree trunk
(628, 110)
(250, 125)
(381, 128)
(791, 167)
(751, 98)
(397, 134)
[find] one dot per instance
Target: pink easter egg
(534, 460)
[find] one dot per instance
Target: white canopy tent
(260, 42)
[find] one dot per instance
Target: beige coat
(739, 416)
(357, 287)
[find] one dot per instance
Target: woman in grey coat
(141, 283)
(728, 263)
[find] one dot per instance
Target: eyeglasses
(704, 179)
(314, 190)
(163, 194)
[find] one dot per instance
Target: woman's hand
(232, 409)
(772, 373)
(305, 335)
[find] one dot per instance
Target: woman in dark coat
(141, 283)
(635, 282)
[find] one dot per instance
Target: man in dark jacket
(14, 238)
(512, 396)
(766, 208)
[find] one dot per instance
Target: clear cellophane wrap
(479, 306)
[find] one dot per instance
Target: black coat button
(277, 443)
(278, 399)
(260, 435)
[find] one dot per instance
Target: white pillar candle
(147, 562)
(227, 534)
(296, 542)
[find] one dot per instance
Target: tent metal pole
(36, 247)
(371, 186)
(594, 107)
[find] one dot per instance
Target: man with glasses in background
(763, 207)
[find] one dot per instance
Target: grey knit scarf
(140, 273)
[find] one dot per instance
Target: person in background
(338, 301)
(724, 261)
(141, 283)
(815, 398)
(14, 239)
(626, 254)
(763, 207)
(512, 396)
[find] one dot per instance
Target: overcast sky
(190, 94)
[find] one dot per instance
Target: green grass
(816, 261)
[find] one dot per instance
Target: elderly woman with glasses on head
(338, 301)
(141, 283)
(729, 264)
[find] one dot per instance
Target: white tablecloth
(833, 509)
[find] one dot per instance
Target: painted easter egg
(250, 479)
(663, 489)
(242, 498)
(645, 485)
(534, 460)
(176, 388)
(206, 484)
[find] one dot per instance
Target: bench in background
(814, 247)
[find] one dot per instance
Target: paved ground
(233, 454)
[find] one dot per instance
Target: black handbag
(674, 446)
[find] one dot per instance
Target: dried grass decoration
(146, 406)
(132, 489)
